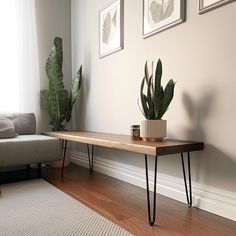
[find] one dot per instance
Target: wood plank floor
(125, 205)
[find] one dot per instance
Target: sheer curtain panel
(19, 71)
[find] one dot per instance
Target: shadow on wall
(198, 112)
(212, 166)
(216, 168)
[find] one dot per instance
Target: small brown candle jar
(135, 132)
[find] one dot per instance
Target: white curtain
(19, 67)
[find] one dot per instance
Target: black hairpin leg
(64, 146)
(188, 193)
(90, 158)
(39, 169)
(153, 218)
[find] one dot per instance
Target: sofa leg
(28, 171)
(39, 170)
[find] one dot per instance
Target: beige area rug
(36, 207)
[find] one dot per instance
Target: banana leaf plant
(56, 100)
(155, 100)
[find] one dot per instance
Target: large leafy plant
(156, 100)
(56, 100)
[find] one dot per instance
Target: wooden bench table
(124, 142)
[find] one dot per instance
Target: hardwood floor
(125, 205)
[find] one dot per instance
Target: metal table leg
(188, 193)
(153, 218)
(90, 157)
(64, 146)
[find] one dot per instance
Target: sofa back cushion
(7, 128)
(25, 123)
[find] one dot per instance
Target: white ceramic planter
(153, 130)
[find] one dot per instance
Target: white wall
(53, 19)
(199, 54)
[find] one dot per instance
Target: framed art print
(159, 15)
(111, 28)
(208, 5)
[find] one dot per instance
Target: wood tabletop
(124, 142)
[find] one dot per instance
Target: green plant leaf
(76, 85)
(45, 100)
(146, 73)
(158, 102)
(145, 105)
(168, 96)
(63, 99)
(53, 65)
(158, 75)
(144, 99)
(150, 99)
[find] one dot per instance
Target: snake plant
(156, 100)
(56, 100)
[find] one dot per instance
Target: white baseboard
(214, 200)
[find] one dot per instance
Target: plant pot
(58, 164)
(153, 130)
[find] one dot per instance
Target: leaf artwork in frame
(161, 11)
(159, 15)
(111, 28)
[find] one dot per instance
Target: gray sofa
(19, 145)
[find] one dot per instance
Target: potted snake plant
(56, 100)
(155, 101)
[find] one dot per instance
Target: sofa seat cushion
(29, 149)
